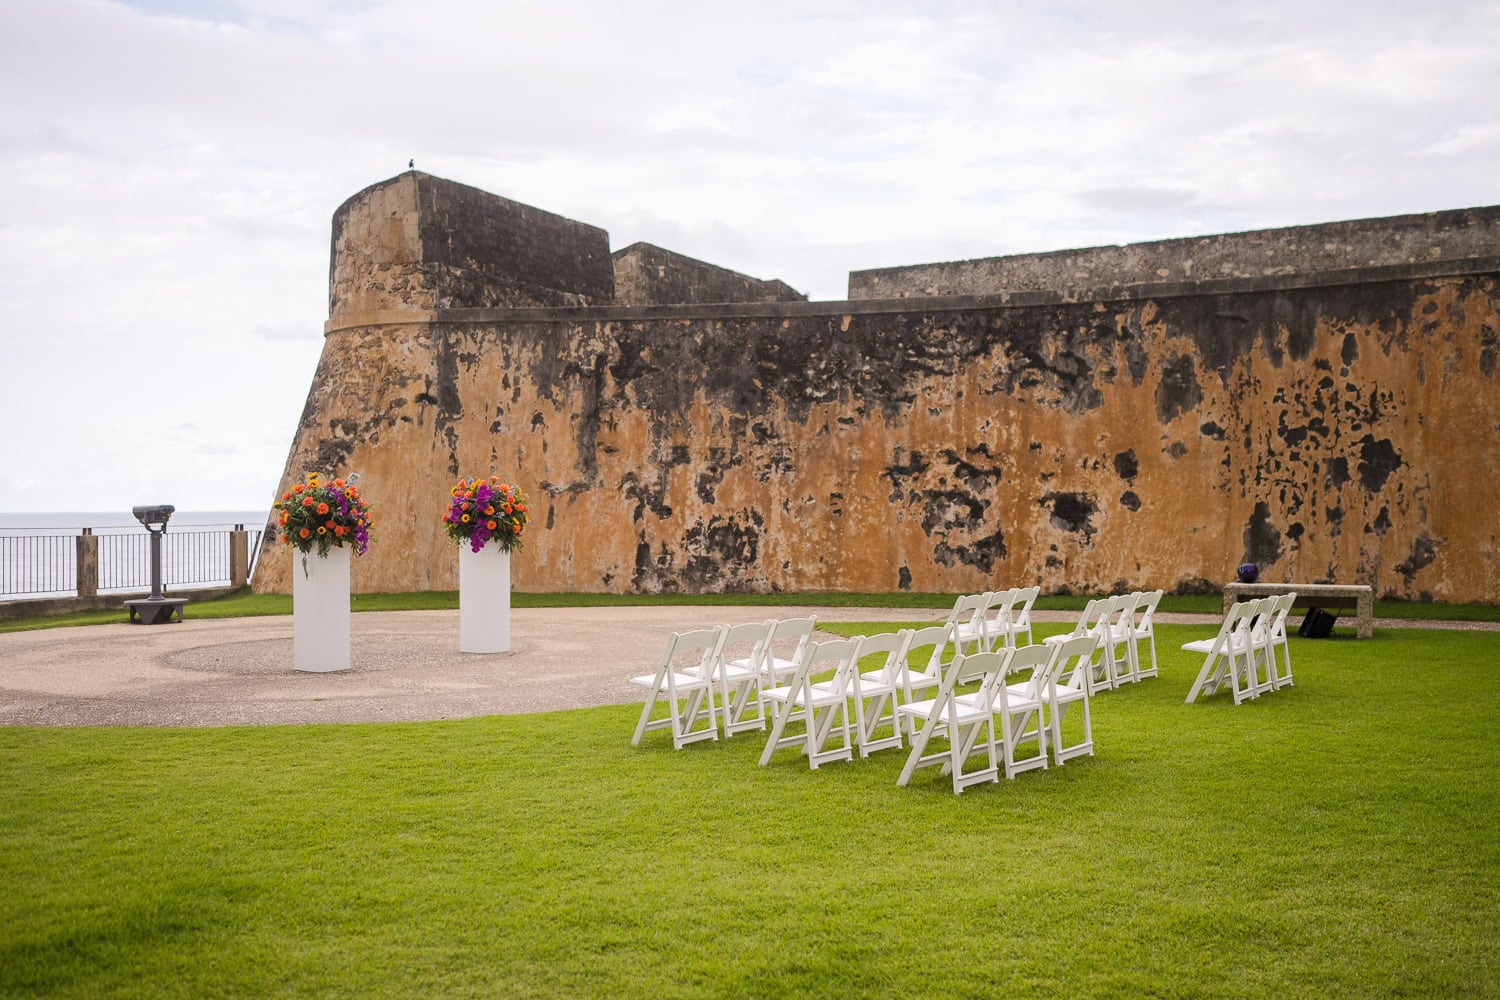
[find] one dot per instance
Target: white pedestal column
(320, 610)
(483, 599)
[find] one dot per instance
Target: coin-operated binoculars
(156, 608)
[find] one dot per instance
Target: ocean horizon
(113, 521)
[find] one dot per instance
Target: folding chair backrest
(1146, 609)
(988, 669)
(1123, 611)
(968, 609)
(838, 655)
(1041, 659)
(998, 616)
(779, 655)
(892, 648)
(925, 649)
(1021, 612)
(1093, 611)
(745, 643)
(1282, 608)
(691, 652)
(1074, 656)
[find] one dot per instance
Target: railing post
(239, 557)
(87, 563)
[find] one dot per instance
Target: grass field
(1338, 838)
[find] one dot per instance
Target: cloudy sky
(170, 167)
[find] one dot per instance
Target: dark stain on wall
(1423, 553)
(1262, 540)
(1130, 501)
(1378, 460)
(1126, 467)
(1179, 391)
(1071, 512)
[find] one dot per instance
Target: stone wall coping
(917, 304)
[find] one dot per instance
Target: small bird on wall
(411, 164)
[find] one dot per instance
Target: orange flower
(308, 501)
(490, 525)
(303, 533)
(329, 522)
(286, 496)
(298, 488)
(322, 508)
(505, 507)
(339, 532)
(489, 510)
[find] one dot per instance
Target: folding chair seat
(1021, 705)
(1144, 628)
(816, 707)
(1070, 685)
(968, 621)
(684, 681)
(739, 678)
(1228, 656)
(1020, 617)
(775, 667)
(874, 691)
(1280, 678)
(969, 724)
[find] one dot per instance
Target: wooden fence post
(239, 557)
(87, 563)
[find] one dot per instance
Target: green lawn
(1338, 838)
(243, 604)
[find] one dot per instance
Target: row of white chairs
(1244, 655)
(997, 619)
(704, 686)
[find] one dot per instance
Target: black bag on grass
(1317, 624)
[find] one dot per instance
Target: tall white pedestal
(320, 610)
(483, 599)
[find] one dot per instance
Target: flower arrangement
(313, 513)
(486, 510)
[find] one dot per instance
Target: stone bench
(1314, 595)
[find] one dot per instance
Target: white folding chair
(968, 621)
(1280, 678)
(1120, 639)
(1021, 706)
(874, 691)
(969, 724)
(1144, 628)
(1020, 616)
(739, 678)
(1094, 621)
(773, 666)
(816, 707)
(1262, 678)
(1070, 685)
(684, 681)
(1227, 656)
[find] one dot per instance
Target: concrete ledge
(1314, 595)
(28, 607)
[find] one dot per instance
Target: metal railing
(47, 563)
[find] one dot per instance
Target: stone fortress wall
(1334, 422)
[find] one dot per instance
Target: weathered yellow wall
(1342, 432)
